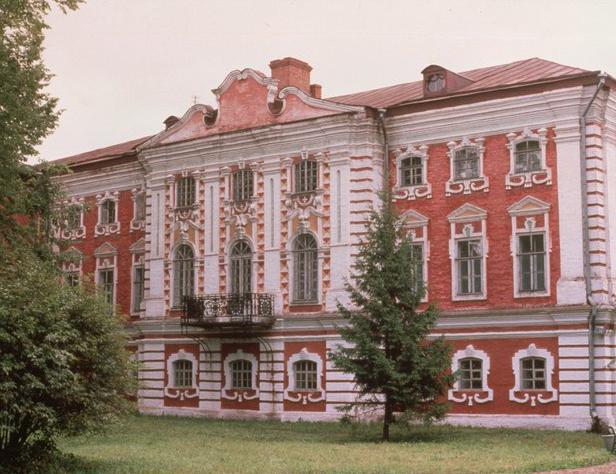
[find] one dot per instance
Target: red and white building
(256, 209)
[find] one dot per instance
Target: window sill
(467, 186)
(528, 179)
(471, 297)
(531, 294)
(412, 192)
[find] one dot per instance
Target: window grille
(183, 274)
(306, 176)
(305, 375)
(138, 287)
(185, 194)
(242, 185)
(531, 262)
(183, 373)
(469, 263)
(305, 268)
(241, 268)
(108, 211)
(411, 171)
(418, 261)
(470, 374)
(466, 163)
(533, 373)
(527, 156)
(106, 283)
(241, 374)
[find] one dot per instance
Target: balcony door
(241, 268)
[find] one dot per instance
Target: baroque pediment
(527, 206)
(467, 213)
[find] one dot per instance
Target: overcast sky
(122, 66)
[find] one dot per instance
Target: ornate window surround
(529, 207)
(137, 251)
(533, 396)
(138, 224)
(112, 227)
(466, 186)
(471, 396)
(291, 267)
(107, 259)
(171, 267)
(414, 221)
(182, 393)
(416, 191)
(240, 394)
(253, 260)
(239, 213)
(190, 213)
(467, 214)
(530, 178)
(62, 231)
(74, 264)
(304, 396)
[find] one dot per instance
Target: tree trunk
(387, 418)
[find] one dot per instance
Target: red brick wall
(496, 162)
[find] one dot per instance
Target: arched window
(241, 374)
(185, 192)
(470, 374)
(183, 274)
(306, 176)
(528, 156)
(108, 211)
(411, 171)
(466, 163)
(305, 375)
(182, 373)
(533, 373)
(305, 268)
(241, 268)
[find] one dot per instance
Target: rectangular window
(106, 284)
(469, 265)
(242, 185)
(108, 209)
(305, 375)
(533, 373)
(73, 217)
(531, 262)
(527, 156)
(411, 171)
(183, 373)
(185, 192)
(470, 374)
(306, 176)
(138, 287)
(139, 207)
(418, 260)
(466, 164)
(241, 374)
(71, 278)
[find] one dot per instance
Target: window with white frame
(528, 156)
(468, 252)
(107, 212)
(466, 167)
(106, 282)
(305, 269)
(306, 175)
(470, 374)
(305, 375)
(182, 373)
(243, 183)
(138, 287)
(530, 247)
(528, 159)
(185, 192)
(417, 226)
(469, 263)
(241, 374)
(183, 274)
(533, 373)
(417, 254)
(241, 267)
(411, 171)
(74, 217)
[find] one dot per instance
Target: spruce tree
(396, 366)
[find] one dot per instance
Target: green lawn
(145, 444)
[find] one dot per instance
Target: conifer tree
(395, 365)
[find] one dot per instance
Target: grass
(146, 444)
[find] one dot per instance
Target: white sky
(122, 66)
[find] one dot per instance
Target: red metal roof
(112, 151)
(519, 72)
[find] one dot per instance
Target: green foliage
(395, 365)
(63, 367)
(27, 112)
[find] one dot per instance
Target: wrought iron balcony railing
(227, 311)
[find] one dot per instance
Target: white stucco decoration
(182, 393)
(471, 396)
(240, 394)
(533, 396)
(304, 396)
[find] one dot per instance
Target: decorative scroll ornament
(415, 191)
(240, 394)
(517, 393)
(135, 223)
(64, 231)
(471, 396)
(304, 396)
(112, 227)
(466, 186)
(529, 178)
(182, 393)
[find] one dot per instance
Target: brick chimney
(291, 72)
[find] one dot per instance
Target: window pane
(305, 268)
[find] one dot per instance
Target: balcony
(229, 311)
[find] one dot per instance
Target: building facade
(255, 211)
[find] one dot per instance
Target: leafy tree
(396, 366)
(27, 112)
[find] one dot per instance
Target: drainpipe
(592, 315)
(382, 113)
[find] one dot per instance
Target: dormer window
(435, 83)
